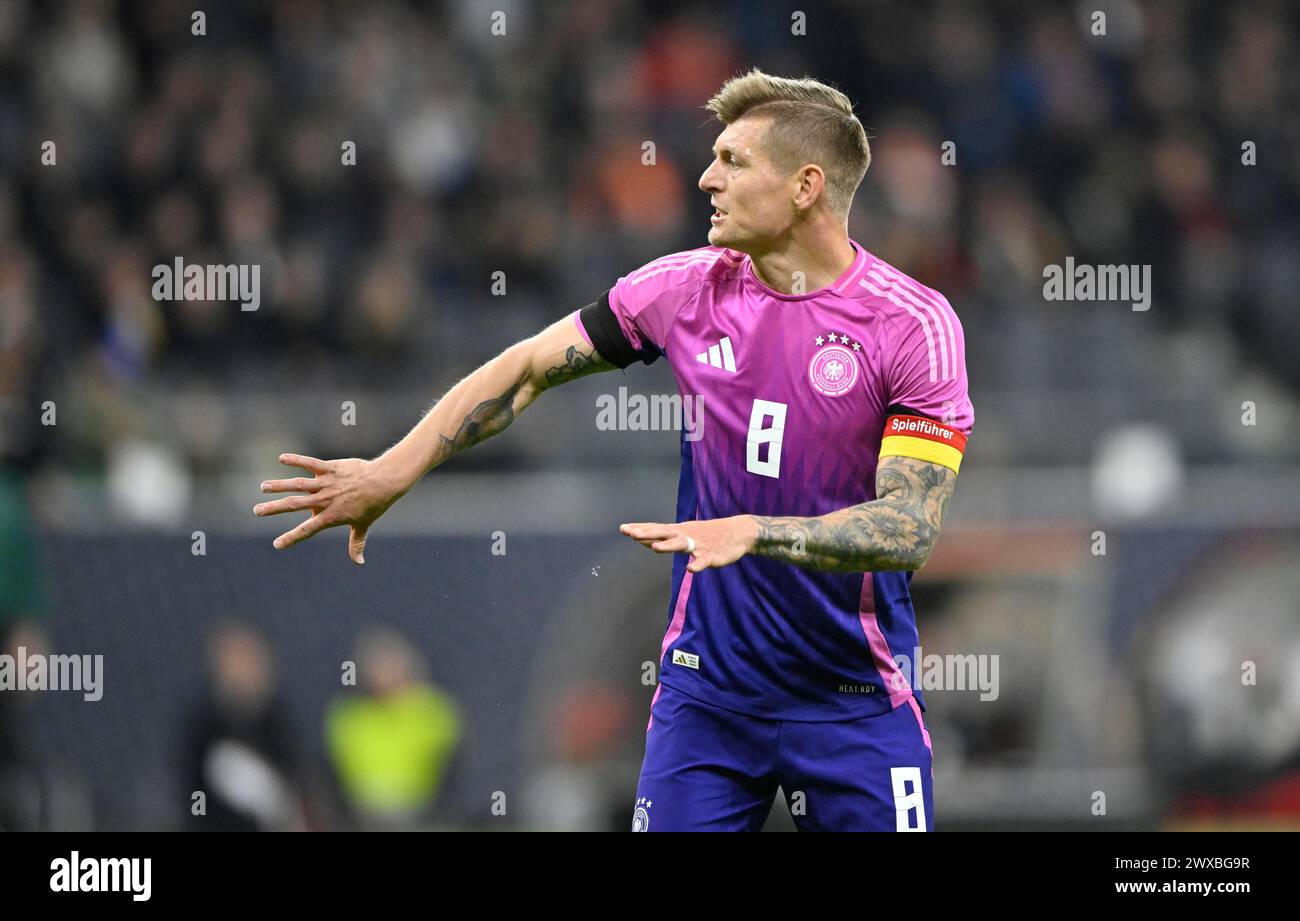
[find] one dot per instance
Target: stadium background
(513, 687)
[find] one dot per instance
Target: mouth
(718, 215)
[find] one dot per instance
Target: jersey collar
(842, 285)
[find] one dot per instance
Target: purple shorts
(710, 769)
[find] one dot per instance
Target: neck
(822, 259)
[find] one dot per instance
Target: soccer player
(835, 398)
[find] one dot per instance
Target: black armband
(898, 409)
(602, 328)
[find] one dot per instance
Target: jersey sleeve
(614, 334)
(929, 413)
(631, 320)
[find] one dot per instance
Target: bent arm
(488, 400)
(896, 531)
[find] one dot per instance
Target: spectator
(238, 751)
(392, 742)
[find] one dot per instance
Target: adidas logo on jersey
(719, 356)
(688, 659)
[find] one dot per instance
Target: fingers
(661, 538)
(297, 484)
(646, 533)
(357, 545)
(291, 504)
(646, 530)
(305, 530)
(677, 544)
(644, 541)
(315, 465)
(313, 502)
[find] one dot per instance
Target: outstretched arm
(896, 530)
(356, 492)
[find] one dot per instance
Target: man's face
(754, 200)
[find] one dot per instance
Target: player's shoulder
(688, 267)
(901, 299)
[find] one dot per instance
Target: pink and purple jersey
(794, 392)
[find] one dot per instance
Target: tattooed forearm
(492, 416)
(485, 420)
(896, 531)
(871, 537)
(575, 365)
(488, 400)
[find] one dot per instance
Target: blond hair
(811, 123)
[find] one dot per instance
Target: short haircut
(811, 123)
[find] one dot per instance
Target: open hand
(351, 492)
(717, 542)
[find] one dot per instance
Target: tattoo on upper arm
(897, 530)
(576, 364)
(894, 485)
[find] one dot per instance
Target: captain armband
(924, 439)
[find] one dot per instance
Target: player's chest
(812, 372)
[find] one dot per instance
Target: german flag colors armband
(924, 439)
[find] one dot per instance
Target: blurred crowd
(236, 761)
(518, 148)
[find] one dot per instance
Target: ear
(812, 186)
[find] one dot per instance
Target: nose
(709, 179)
